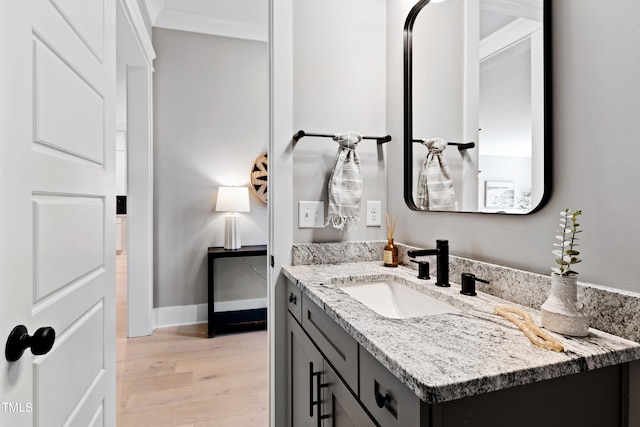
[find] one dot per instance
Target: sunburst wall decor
(259, 175)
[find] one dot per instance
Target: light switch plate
(374, 213)
(310, 214)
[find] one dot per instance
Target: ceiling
(245, 19)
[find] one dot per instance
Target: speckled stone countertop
(451, 356)
(611, 310)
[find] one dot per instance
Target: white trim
(530, 9)
(246, 304)
(281, 209)
(154, 7)
(135, 50)
(140, 247)
(507, 36)
(183, 20)
(180, 315)
(197, 313)
(136, 23)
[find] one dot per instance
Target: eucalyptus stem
(566, 258)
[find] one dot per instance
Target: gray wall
(210, 124)
(596, 92)
(597, 105)
(339, 61)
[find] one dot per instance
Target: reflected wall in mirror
(477, 106)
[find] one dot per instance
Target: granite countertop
(451, 356)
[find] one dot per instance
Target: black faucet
(442, 259)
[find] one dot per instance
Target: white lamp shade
(233, 199)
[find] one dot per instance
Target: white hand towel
(435, 185)
(345, 183)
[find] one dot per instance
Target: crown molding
(188, 21)
(132, 17)
(162, 16)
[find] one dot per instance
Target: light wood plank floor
(178, 377)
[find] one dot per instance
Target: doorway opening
(165, 373)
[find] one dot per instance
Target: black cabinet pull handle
(383, 401)
(311, 377)
(319, 387)
(293, 299)
(19, 340)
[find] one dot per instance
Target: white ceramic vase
(562, 312)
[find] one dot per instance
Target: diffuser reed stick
(390, 229)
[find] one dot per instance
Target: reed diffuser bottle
(390, 249)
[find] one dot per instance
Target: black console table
(228, 318)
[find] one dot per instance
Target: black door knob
(19, 340)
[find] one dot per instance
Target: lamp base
(232, 232)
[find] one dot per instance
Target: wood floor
(178, 377)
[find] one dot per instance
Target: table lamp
(232, 200)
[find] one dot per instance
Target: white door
(57, 209)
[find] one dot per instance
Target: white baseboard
(245, 304)
(180, 315)
(197, 313)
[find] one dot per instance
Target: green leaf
(566, 253)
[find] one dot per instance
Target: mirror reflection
(475, 135)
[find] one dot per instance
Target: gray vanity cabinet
(317, 397)
(337, 346)
(343, 407)
(389, 401)
(304, 361)
(334, 382)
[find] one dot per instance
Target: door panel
(339, 415)
(62, 309)
(69, 111)
(63, 225)
(86, 418)
(341, 407)
(78, 352)
(57, 248)
(69, 168)
(15, 225)
(86, 18)
(301, 385)
(52, 29)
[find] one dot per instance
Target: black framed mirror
(477, 106)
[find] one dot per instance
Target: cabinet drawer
(338, 347)
(395, 405)
(294, 301)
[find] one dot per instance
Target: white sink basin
(394, 300)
